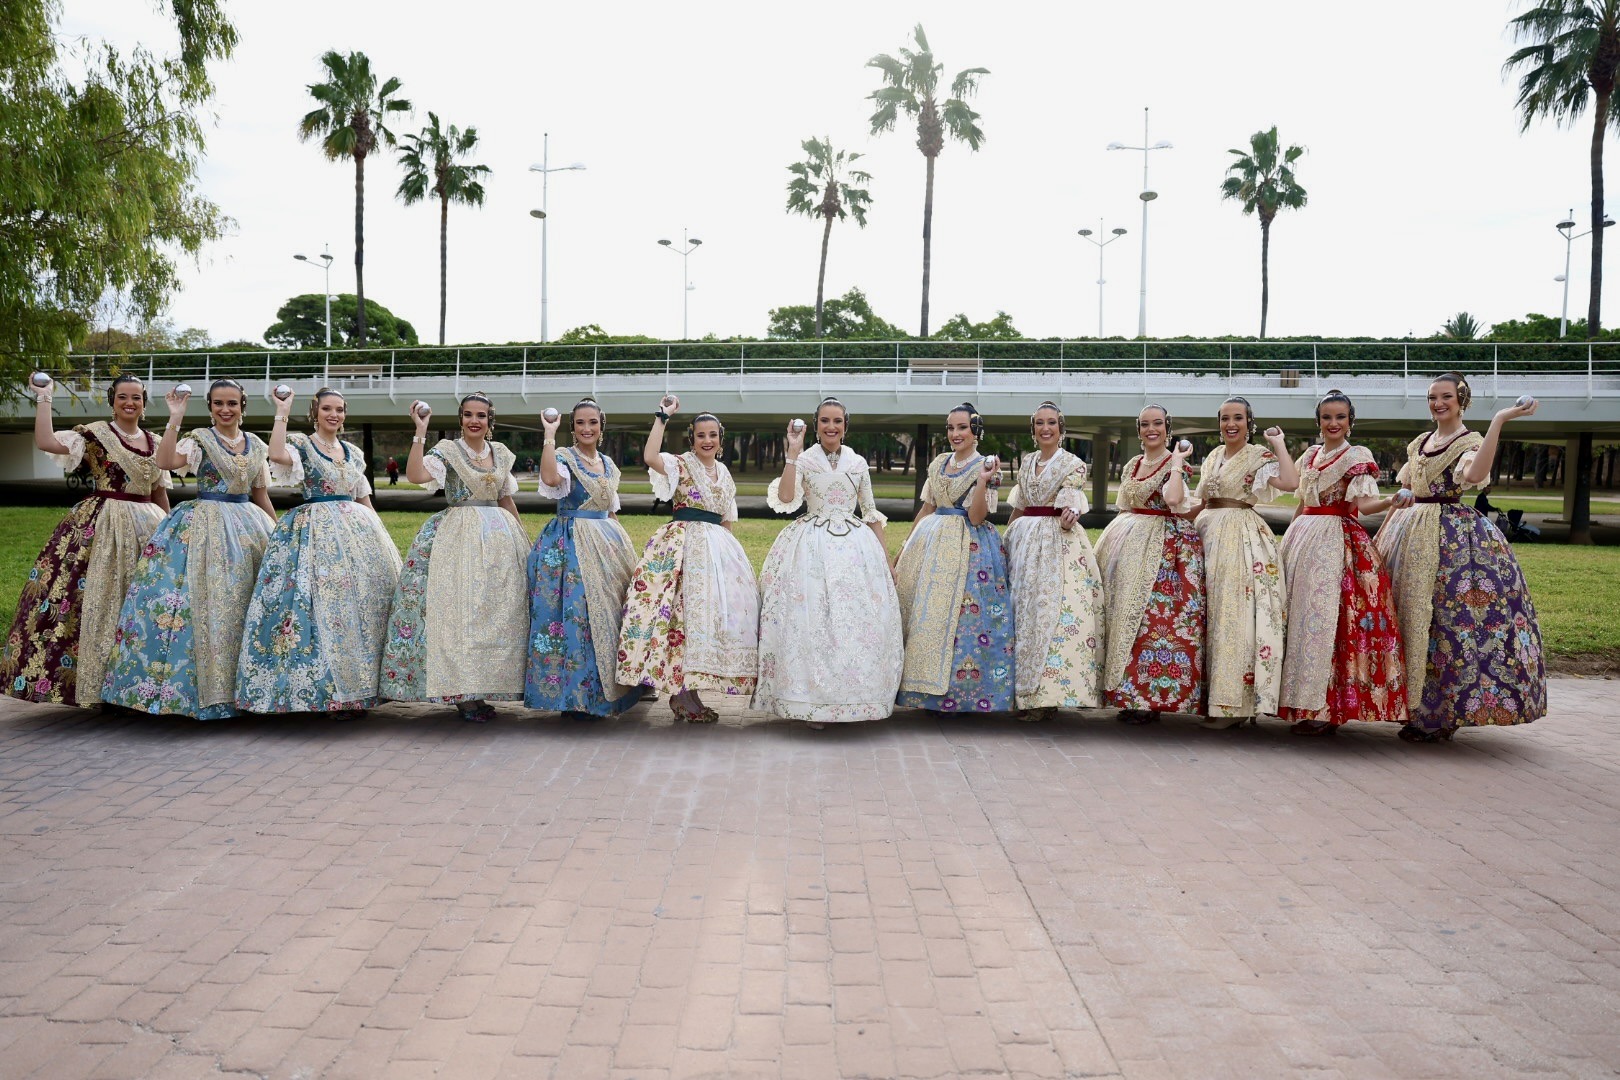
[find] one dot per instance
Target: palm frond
(966, 83)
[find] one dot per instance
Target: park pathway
(411, 896)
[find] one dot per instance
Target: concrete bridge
(904, 386)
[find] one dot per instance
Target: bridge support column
(367, 448)
(1102, 445)
(1578, 487)
(919, 457)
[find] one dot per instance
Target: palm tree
(1573, 57)
(821, 188)
(1263, 181)
(911, 85)
(350, 124)
(1461, 327)
(431, 168)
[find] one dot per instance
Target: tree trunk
(1600, 124)
(360, 249)
(821, 275)
(928, 243)
(1265, 273)
(444, 257)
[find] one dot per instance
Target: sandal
(1314, 727)
(704, 716)
(1413, 734)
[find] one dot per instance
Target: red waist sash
(1153, 513)
(1041, 511)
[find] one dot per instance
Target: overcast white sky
(1424, 197)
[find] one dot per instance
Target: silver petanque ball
(667, 400)
(1184, 447)
(796, 425)
(184, 389)
(421, 408)
(551, 416)
(39, 380)
(1404, 494)
(282, 391)
(1525, 401)
(1273, 432)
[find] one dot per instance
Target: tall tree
(1461, 327)
(911, 85)
(351, 124)
(99, 149)
(1572, 60)
(431, 167)
(821, 187)
(1262, 179)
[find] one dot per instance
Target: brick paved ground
(411, 896)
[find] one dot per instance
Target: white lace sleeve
(991, 496)
(289, 475)
(191, 450)
(1015, 498)
(1072, 495)
(264, 475)
(615, 508)
(664, 483)
(1188, 496)
(565, 483)
(362, 487)
(1263, 477)
(510, 488)
(1361, 487)
(1464, 460)
(868, 504)
(773, 494)
(73, 443)
(433, 465)
(1400, 477)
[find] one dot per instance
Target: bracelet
(418, 439)
(172, 427)
(661, 415)
(791, 460)
(278, 420)
(549, 442)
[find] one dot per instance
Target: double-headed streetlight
(1100, 280)
(1147, 196)
(1564, 227)
(326, 257)
(688, 245)
(545, 168)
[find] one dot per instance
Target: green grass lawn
(1576, 589)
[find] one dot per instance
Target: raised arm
(1479, 470)
(1287, 471)
(278, 432)
(979, 505)
(652, 453)
(415, 471)
(167, 457)
(549, 474)
(44, 433)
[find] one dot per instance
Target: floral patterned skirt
(981, 671)
(68, 613)
(319, 614)
(1058, 601)
(1243, 587)
(564, 673)
(1343, 658)
(1165, 668)
(180, 630)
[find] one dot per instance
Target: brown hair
(112, 388)
(315, 402)
(975, 421)
(1063, 423)
(1336, 396)
(1465, 393)
(1248, 411)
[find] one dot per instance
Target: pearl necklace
(230, 444)
(474, 458)
(333, 450)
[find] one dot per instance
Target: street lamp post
(1147, 196)
(545, 169)
(1564, 227)
(1100, 280)
(326, 257)
(688, 245)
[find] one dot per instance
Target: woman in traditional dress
(1153, 580)
(952, 576)
(1243, 583)
(830, 645)
(1473, 646)
(691, 613)
(578, 572)
(180, 629)
(68, 612)
(319, 613)
(460, 617)
(1056, 583)
(1342, 660)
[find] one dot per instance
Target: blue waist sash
(951, 511)
(692, 513)
(221, 496)
(590, 515)
(329, 498)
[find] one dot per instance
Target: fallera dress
(68, 613)
(180, 629)
(1342, 661)
(1473, 652)
(1057, 588)
(319, 613)
(1243, 584)
(579, 570)
(1153, 580)
(459, 622)
(691, 613)
(830, 645)
(957, 605)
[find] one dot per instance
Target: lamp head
(1565, 225)
(328, 258)
(1119, 232)
(1116, 146)
(1085, 232)
(1148, 196)
(1607, 222)
(666, 243)
(537, 214)
(1162, 144)
(302, 258)
(695, 242)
